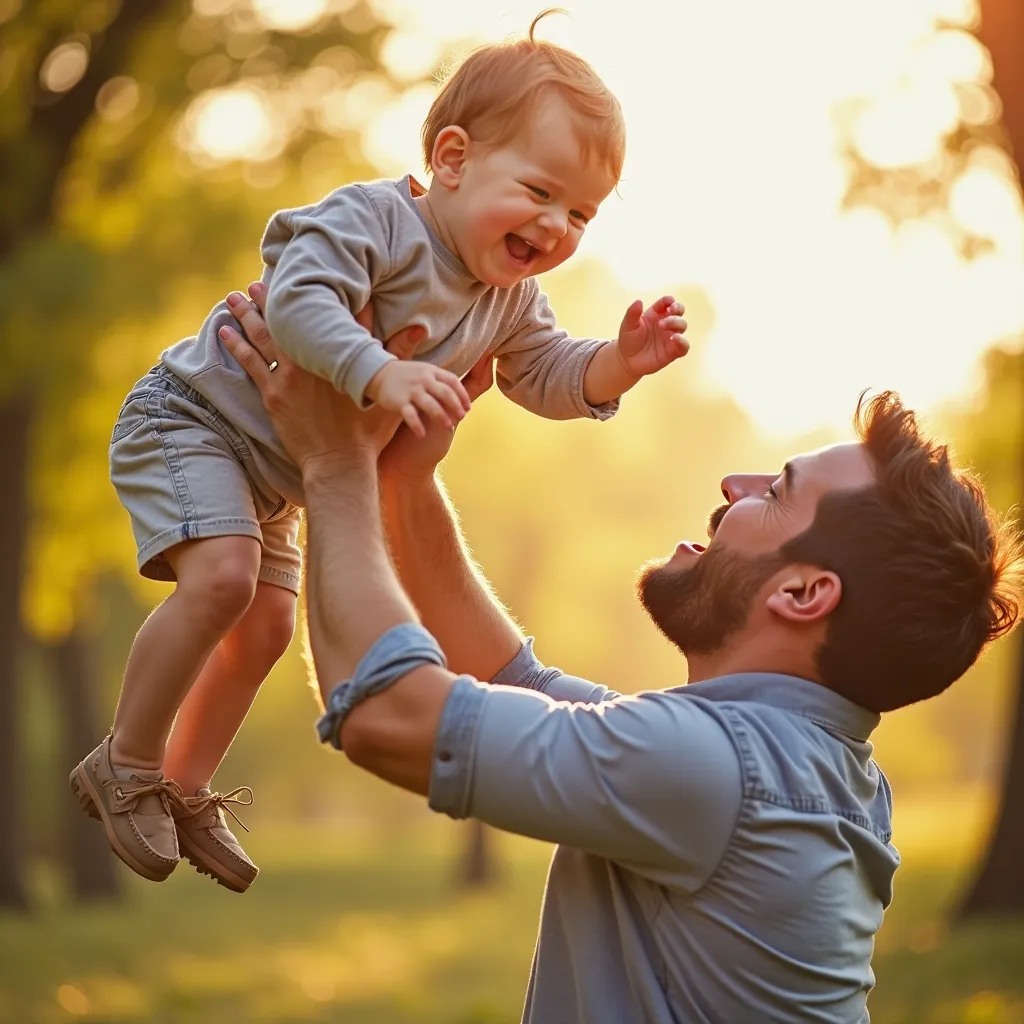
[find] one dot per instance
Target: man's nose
(744, 485)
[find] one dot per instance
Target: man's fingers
(404, 343)
(480, 378)
(254, 325)
(258, 293)
(365, 317)
(248, 358)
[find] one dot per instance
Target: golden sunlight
(290, 15)
(228, 124)
(735, 182)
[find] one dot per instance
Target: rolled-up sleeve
(526, 671)
(652, 782)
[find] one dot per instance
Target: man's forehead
(838, 467)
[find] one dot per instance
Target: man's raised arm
(450, 592)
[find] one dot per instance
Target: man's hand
(409, 458)
(310, 416)
(411, 389)
(650, 339)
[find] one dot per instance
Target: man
(725, 847)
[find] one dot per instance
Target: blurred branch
(1001, 32)
(57, 121)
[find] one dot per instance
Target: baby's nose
(556, 224)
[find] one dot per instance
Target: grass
(370, 929)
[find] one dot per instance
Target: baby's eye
(539, 192)
(581, 217)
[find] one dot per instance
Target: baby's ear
(448, 158)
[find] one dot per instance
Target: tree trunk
(999, 886)
(477, 867)
(88, 860)
(15, 430)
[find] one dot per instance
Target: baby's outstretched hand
(650, 339)
(410, 388)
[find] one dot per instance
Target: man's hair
(492, 92)
(929, 575)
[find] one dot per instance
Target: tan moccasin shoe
(206, 841)
(134, 806)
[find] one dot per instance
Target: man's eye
(771, 493)
(539, 192)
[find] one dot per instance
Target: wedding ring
(272, 365)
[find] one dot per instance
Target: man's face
(702, 596)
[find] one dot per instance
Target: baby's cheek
(566, 248)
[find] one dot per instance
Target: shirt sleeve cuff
(451, 776)
(521, 669)
(371, 359)
(595, 412)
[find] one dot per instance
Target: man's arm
(456, 602)
(436, 568)
(652, 782)
(354, 599)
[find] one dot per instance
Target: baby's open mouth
(521, 251)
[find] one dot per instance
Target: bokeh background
(832, 188)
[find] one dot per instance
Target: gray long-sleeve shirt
(324, 262)
(725, 847)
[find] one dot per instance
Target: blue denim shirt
(724, 848)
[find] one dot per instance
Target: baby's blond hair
(492, 91)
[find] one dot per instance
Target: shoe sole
(89, 800)
(207, 866)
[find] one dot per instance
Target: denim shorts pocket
(124, 426)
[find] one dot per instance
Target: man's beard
(700, 607)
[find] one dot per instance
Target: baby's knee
(270, 623)
(220, 578)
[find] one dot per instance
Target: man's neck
(736, 659)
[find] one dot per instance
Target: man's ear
(805, 594)
(448, 158)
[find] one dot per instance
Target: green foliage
(114, 243)
(346, 924)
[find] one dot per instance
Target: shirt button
(445, 755)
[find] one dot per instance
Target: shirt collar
(409, 188)
(791, 693)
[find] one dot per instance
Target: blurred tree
(999, 886)
(104, 222)
(991, 120)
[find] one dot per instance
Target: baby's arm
(544, 370)
(337, 255)
(648, 341)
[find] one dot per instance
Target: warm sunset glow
(734, 182)
(229, 124)
(290, 15)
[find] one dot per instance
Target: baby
(524, 143)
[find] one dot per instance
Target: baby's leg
(216, 582)
(218, 702)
